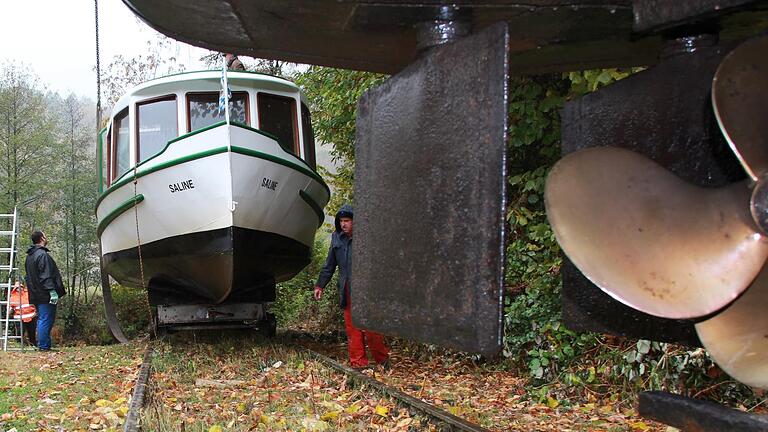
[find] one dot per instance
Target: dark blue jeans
(46, 315)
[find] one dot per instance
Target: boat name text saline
(182, 186)
(268, 183)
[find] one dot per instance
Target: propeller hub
(758, 204)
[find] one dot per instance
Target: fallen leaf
(381, 410)
(330, 415)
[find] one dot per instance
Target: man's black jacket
(43, 275)
(339, 255)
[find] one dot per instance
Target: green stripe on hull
(239, 150)
(315, 206)
(122, 208)
(158, 167)
(133, 174)
(281, 161)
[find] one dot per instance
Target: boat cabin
(153, 114)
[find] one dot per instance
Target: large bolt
(450, 25)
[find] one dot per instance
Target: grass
(74, 389)
(229, 381)
(264, 386)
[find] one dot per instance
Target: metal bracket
(204, 314)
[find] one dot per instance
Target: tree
(27, 143)
(332, 96)
(276, 68)
(122, 74)
(77, 197)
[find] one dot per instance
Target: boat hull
(229, 264)
(212, 223)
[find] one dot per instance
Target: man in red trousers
(340, 255)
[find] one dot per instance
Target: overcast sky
(56, 39)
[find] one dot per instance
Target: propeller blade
(740, 101)
(737, 338)
(649, 239)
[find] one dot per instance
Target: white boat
(201, 211)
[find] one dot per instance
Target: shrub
(296, 306)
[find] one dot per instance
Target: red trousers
(357, 338)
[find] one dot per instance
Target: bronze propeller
(737, 338)
(672, 249)
(649, 239)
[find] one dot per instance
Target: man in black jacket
(45, 287)
(340, 255)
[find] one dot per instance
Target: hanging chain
(98, 69)
(135, 176)
(152, 325)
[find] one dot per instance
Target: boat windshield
(203, 109)
(157, 124)
(277, 116)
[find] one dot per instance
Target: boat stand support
(210, 316)
(109, 304)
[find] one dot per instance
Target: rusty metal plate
(665, 114)
(379, 35)
(663, 14)
(695, 415)
(428, 255)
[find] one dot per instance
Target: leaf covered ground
(249, 384)
(491, 397)
(241, 382)
(74, 389)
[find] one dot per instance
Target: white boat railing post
(225, 91)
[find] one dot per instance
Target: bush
(296, 307)
(85, 322)
(535, 340)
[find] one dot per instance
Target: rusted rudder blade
(137, 399)
(428, 409)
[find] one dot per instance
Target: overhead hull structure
(220, 215)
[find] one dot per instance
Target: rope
(141, 260)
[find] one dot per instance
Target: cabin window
(277, 116)
(156, 122)
(309, 137)
(121, 156)
(104, 146)
(203, 109)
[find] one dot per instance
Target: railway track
(455, 423)
(445, 420)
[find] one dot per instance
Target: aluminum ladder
(10, 327)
